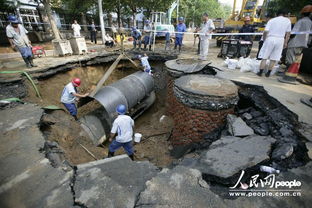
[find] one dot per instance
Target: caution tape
(162, 31)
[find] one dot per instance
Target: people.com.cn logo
(267, 182)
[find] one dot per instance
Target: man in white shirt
(69, 95)
(123, 131)
(206, 29)
(76, 28)
(145, 64)
(275, 36)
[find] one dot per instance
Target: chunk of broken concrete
(112, 182)
(309, 147)
(228, 155)
(179, 187)
(282, 151)
(237, 127)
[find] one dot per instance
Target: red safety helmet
(76, 82)
(306, 9)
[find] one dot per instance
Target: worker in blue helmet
(122, 131)
(19, 41)
(180, 29)
(136, 35)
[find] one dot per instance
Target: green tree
(192, 10)
(47, 7)
(291, 6)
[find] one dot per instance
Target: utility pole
(102, 21)
(178, 2)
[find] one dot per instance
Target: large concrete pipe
(134, 91)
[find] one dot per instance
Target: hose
(28, 77)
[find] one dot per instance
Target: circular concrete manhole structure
(203, 102)
(177, 68)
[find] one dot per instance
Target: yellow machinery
(249, 8)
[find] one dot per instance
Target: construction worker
(76, 29)
(136, 35)
(70, 95)
(180, 29)
(122, 130)
(247, 28)
(297, 44)
(144, 62)
(147, 35)
(275, 37)
(206, 29)
(18, 40)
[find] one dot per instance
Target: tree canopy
(192, 10)
(291, 6)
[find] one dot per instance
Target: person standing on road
(206, 29)
(69, 96)
(247, 28)
(93, 32)
(18, 40)
(147, 35)
(76, 29)
(181, 28)
(275, 37)
(122, 130)
(300, 41)
(136, 35)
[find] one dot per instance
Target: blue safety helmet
(181, 19)
(139, 56)
(147, 21)
(13, 19)
(121, 109)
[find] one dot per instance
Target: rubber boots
(31, 61)
(28, 65)
(110, 154)
(131, 157)
(260, 73)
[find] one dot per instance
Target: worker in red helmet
(70, 95)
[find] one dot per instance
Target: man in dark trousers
(123, 131)
(247, 28)
(93, 32)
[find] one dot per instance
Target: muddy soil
(59, 126)
(52, 88)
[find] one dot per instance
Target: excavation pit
(217, 99)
